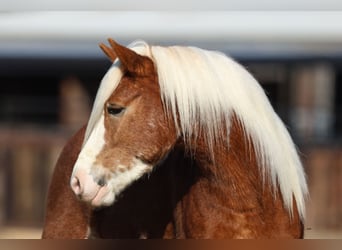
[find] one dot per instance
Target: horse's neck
(232, 170)
(230, 192)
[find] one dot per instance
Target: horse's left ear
(131, 61)
(108, 51)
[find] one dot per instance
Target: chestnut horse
(181, 143)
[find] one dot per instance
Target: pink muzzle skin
(84, 187)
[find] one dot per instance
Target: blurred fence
(27, 158)
(323, 166)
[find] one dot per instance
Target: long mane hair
(203, 90)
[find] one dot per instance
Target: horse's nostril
(101, 182)
(76, 185)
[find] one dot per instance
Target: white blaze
(92, 148)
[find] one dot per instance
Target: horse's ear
(108, 51)
(131, 61)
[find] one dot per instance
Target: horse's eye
(115, 110)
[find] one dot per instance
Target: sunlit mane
(204, 89)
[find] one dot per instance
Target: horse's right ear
(108, 51)
(134, 63)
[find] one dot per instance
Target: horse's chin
(104, 197)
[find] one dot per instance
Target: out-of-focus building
(51, 67)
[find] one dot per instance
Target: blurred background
(51, 67)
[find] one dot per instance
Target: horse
(181, 142)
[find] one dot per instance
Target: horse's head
(131, 136)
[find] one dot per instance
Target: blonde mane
(203, 89)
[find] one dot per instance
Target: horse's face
(132, 136)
